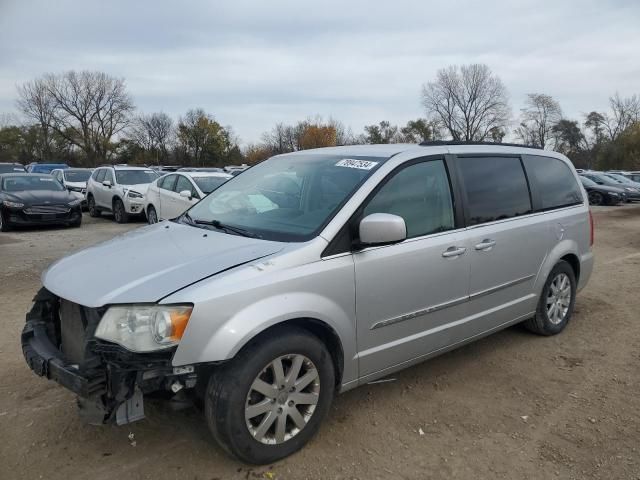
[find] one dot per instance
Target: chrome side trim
(502, 286)
(451, 303)
(418, 313)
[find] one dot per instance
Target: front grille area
(44, 209)
(72, 331)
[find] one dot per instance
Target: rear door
(409, 295)
(165, 186)
(507, 242)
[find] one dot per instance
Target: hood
(606, 188)
(41, 197)
(147, 264)
(140, 187)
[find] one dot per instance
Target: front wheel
(556, 302)
(4, 225)
(91, 205)
(596, 198)
(119, 213)
(271, 398)
(152, 216)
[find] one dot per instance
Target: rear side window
(99, 176)
(496, 188)
(553, 182)
(420, 194)
(167, 182)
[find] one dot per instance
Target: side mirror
(186, 194)
(382, 228)
(106, 183)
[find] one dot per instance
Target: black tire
(541, 323)
(596, 198)
(119, 213)
(94, 212)
(77, 223)
(4, 224)
(230, 385)
(152, 215)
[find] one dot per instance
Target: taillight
(591, 234)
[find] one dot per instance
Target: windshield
(619, 178)
(209, 184)
(31, 182)
(603, 178)
(587, 182)
(9, 168)
(287, 198)
(76, 175)
(135, 177)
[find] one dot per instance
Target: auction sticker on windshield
(359, 164)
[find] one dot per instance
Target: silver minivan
(310, 274)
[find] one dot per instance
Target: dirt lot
(510, 406)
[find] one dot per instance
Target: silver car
(310, 274)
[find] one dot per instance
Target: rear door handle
(453, 252)
(486, 244)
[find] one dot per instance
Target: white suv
(119, 189)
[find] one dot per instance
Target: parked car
(171, 195)
(635, 176)
(200, 169)
(74, 180)
(265, 303)
(602, 179)
(119, 189)
(624, 180)
(602, 194)
(34, 199)
(12, 168)
(236, 169)
(45, 167)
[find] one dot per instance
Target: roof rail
(444, 143)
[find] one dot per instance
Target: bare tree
(87, 109)
(153, 133)
(468, 101)
(624, 112)
(38, 105)
(540, 114)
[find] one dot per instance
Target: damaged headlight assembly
(144, 328)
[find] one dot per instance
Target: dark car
(33, 199)
(602, 194)
(46, 167)
(12, 168)
(604, 180)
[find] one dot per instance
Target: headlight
(75, 203)
(134, 194)
(75, 189)
(144, 328)
(9, 204)
(629, 189)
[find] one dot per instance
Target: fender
(562, 248)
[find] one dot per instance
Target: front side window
(183, 184)
(420, 194)
(553, 180)
(287, 198)
(135, 177)
(496, 188)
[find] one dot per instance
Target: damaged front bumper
(58, 343)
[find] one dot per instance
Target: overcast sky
(255, 63)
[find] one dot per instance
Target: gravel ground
(510, 406)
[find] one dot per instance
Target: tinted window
(135, 177)
(553, 181)
(420, 194)
(496, 188)
(100, 175)
(76, 175)
(10, 168)
(183, 183)
(167, 182)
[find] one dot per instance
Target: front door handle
(486, 244)
(453, 252)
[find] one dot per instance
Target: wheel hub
(558, 298)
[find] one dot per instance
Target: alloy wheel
(558, 298)
(595, 198)
(282, 399)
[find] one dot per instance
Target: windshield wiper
(227, 228)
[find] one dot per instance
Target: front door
(409, 294)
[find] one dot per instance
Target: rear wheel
(152, 216)
(119, 213)
(596, 198)
(271, 399)
(556, 302)
(91, 205)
